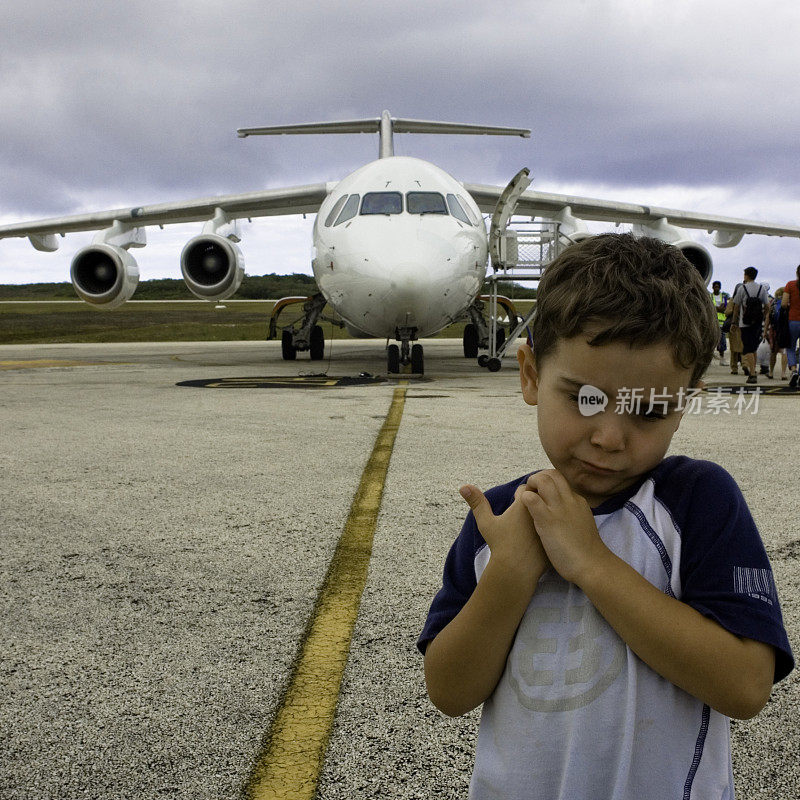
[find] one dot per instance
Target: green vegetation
(254, 287)
(48, 322)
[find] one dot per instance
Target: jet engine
(104, 275)
(697, 256)
(212, 266)
(695, 253)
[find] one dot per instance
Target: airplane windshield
(470, 213)
(382, 203)
(425, 203)
(335, 210)
(456, 210)
(349, 210)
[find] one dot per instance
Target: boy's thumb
(477, 501)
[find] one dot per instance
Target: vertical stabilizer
(386, 147)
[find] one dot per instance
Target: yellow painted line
(38, 363)
(292, 757)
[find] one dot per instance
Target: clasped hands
(548, 524)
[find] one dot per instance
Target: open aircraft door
(502, 251)
(504, 255)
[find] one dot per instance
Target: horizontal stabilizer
(346, 126)
(424, 126)
(385, 125)
(399, 125)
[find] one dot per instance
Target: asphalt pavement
(163, 547)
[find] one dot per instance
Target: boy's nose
(608, 430)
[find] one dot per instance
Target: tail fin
(385, 125)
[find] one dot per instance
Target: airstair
(520, 252)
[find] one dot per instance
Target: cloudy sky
(689, 105)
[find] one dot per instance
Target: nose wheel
(393, 359)
(403, 355)
(417, 360)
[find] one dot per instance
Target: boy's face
(604, 452)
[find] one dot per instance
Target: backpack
(752, 311)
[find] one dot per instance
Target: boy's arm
(731, 674)
(466, 659)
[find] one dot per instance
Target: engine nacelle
(104, 275)
(695, 253)
(212, 266)
(697, 256)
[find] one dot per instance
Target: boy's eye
(652, 415)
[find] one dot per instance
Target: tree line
(254, 287)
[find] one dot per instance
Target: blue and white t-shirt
(576, 715)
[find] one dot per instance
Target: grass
(45, 323)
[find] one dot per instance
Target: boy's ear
(528, 376)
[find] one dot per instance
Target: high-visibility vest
(719, 299)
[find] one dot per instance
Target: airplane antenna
(385, 126)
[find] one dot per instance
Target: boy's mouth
(596, 468)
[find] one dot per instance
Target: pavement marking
(38, 363)
(294, 751)
(283, 382)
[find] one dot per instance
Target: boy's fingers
(477, 502)
(549, 482)
(531, 499)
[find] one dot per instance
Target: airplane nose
(406, 281)
(406, 276)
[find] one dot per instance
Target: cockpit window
(470, 213)
(425, 203)
(335, 210)
(456, 210)
(382, 203)
(350, 209)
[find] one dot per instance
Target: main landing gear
(307, 335)
(405, 354)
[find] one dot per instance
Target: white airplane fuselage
(389, 266)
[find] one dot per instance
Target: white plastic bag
(763, 353)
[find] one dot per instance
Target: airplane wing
(270, 202)
(542, 204)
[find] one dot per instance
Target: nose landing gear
(406, 353)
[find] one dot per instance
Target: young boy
(611, 613)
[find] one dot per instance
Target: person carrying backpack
(750, 310)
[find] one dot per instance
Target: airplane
(400, 247)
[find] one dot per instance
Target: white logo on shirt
(565, 654)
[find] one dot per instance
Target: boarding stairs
(520, 252)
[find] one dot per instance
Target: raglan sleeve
(458, 582)
(726, 574)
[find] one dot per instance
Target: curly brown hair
(622, 288)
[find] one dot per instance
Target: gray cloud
(130, 103)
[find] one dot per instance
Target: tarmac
(163, 547)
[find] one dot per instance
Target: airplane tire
(287, 347)
(500, 337)
(494, 364)
(483, 360)
(317, 344)
(417, 359)
(470, 341)
(393, 359)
